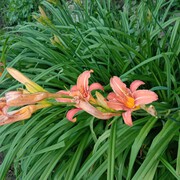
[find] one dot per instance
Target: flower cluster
(122, 101)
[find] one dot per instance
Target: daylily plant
(123, 101)
(130, 99)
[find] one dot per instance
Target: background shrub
(15, 12)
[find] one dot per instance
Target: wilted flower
(18, 98)
(20, 114)
(34, 98)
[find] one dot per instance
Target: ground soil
(10, 175)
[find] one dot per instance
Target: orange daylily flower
(80, 96)
(81, 91)
(130, 99)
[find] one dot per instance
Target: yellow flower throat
(129, 103)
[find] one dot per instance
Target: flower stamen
(130, 102)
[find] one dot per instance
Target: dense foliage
(13, 12)
(132, 40)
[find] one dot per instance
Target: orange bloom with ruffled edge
(80, 96)
(130, 99)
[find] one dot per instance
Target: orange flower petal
(2, 102)
(71, 113)
(127, 118)
(95, 86)
(3, 119)
(135, 84)
(112, 96)
(62, 92)
(21, 114)
(116, 106)
(64, 100)
(83, 81)
(144, 97)
(118, 86)
(17, 98)
(95, 112)
(74, 88)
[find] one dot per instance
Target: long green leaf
(111, 152)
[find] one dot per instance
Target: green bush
(15, 12)
(135, 40)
